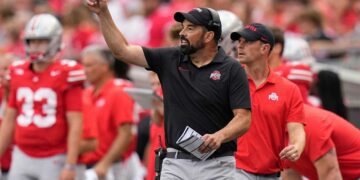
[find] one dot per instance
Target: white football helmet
(43, 26)
(297, 49)
(230, 23)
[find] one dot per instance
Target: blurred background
(329, 31)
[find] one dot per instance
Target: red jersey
(324, 131)
(111, 108)
(42, 100)
(273, 104)
(298, 73)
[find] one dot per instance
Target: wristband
(70, 167)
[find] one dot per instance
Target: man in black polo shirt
(203, 88)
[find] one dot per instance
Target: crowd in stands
(321, 22)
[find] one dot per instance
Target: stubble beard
(189, 49)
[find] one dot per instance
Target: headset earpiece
(215, 18)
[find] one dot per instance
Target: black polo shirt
(202, 98)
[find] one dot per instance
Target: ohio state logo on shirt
(216, 75)
(100, 102)
(273, 97)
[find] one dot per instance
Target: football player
(44, 108)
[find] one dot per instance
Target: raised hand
(97, 6)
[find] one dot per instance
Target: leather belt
(182, 155)
(272, 175)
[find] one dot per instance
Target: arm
(238, 126)
(327, 166)
(7, 129)
(290, 174)
(118, 148)
(87, 145)
(114, 38)
(296, 142)
(74, 120)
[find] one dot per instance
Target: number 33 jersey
(41, 101)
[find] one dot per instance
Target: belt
(176, 154)
(272, 175)
(4, 171)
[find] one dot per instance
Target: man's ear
(209, 36)
(265, 49)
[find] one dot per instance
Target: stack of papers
(191, 141)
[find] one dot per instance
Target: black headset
(215, 18)
(215, 22)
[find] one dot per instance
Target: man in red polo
(113, 111)
(333, 144)
(332, 150)
(276, 108)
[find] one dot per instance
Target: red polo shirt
(273, 104)
(111, 108)
(324, 131)
(90, 130)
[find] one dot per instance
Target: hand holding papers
(191, 141)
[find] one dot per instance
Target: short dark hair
(278, 37)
